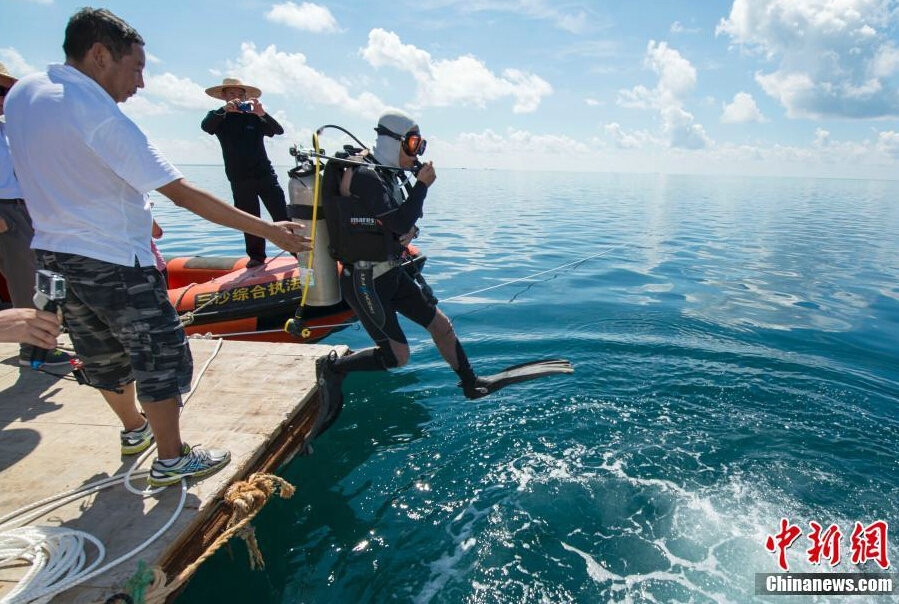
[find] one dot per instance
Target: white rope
(57, 554)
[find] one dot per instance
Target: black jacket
(240, 135)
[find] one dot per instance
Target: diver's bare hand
(427, 174)
(286, 236)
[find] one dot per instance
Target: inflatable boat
(221, 297)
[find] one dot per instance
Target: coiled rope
(246, 499)
(57, 555)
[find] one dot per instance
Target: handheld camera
(50, 292)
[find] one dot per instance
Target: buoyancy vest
(355, 233)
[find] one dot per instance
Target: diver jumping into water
(369, 225)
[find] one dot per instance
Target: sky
(742, 87)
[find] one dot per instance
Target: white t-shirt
(84, 167)
(9, 187)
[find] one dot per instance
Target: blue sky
(773, 87)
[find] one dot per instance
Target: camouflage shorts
(122, 326)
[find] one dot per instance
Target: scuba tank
(325, 291)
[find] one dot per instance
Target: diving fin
(525, 372)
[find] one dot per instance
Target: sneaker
(194, 461)
(135, 441)
(55, 357)
(254, 262)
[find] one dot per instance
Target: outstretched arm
(283, 234)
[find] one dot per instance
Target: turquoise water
(735, 345)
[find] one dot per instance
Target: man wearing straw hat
(240, 125)
(17, 262)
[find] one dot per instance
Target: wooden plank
(257, 399)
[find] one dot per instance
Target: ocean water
(735, 343)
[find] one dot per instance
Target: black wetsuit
(364, 228)
(247, 166)
(395, 290)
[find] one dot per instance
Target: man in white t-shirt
(86, 171)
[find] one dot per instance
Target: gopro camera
(51, 285)
(51, 291)
(246, 106)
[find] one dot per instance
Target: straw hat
(5, 78)
(216, 91)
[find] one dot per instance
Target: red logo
(868, 543)
(782, 541)
(824, 545)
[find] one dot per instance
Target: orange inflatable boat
(228, 300)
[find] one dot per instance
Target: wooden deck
(257, 399)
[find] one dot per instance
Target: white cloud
(677, 79)
(521, 141)
(545, 10)
(638, 97)
(642, 151)
(140, 106)
(742, 110)
(593, 102)
(888, 142)
(167, 93)
(678, 28)
(822, 137)
(836, 57)
(279, 72)
(181, 93)
(305, 17)
(15, 63)
(461, 81)
(886, 61)
(151, 58)
(635, 139)
(681, 130)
